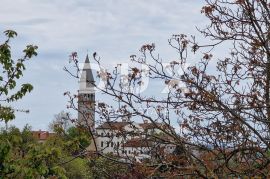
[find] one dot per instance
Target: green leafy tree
(23, 157)
(73, 139)
(78, 168)
(20, 154)
(72, 143)
(12, 70)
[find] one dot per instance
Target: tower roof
(88, 70)
(87, 78)
(87, 59)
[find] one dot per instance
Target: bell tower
(86, 96)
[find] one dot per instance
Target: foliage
(107, 167)
(78, 168)
(12, 71)
(23, 157)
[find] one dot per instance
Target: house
(42, 136)
(132, 140)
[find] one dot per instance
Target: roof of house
(138, 142)
(151, 125)
(42, 135)
(113, 125)
(117, 125)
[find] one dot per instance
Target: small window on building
(129, 151)
(101, 134)
(111, 144)
(117, 144)
(108, 144)
(101, 144)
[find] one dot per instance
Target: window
(129, 151)
(111, 144)
(101, 144)
(101, 134)
(117, 144)
(108, 144)
(92, 97)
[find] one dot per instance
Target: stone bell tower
(86, 96)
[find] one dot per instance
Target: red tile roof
(42, 135)
(138, 142)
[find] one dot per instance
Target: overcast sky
(113, 28)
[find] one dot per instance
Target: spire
(88, 70)
(87, 78)
(87, 59)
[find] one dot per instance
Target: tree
(76, 137)
(12, 71)
(72, 148)
(75, 159)
(20, 154)
(78, 168)
(61, 122)
(23, 157)
(223, 113)
(101, 167)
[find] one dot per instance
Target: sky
(114, 29)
